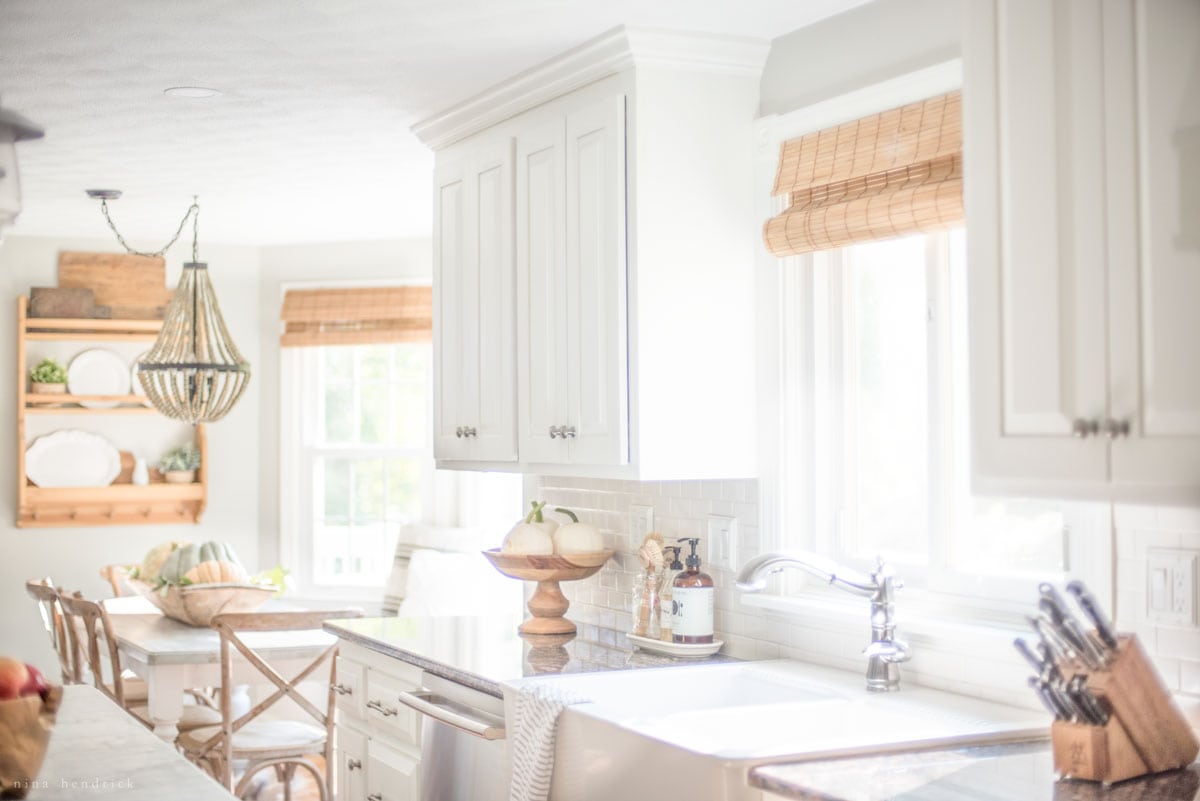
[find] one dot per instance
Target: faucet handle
(889, 650)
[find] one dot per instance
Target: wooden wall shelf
(121, 503)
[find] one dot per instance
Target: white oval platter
(72, 458)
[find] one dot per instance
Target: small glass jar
(645, 608)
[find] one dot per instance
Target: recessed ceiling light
(190, 91)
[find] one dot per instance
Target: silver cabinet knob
(556, 432)
(375, 797)
(468, 431)
(458, 432)
(568, 432)
(1085, 428)
(353, 764)
(1115, 429)
(341, 689)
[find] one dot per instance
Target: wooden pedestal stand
(1145, 733)
(548, 604)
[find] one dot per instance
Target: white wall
(407, 259)
(864, 46)
(72, 556)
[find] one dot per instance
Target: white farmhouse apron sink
(694, 732)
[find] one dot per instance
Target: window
(364, 462)
(876, 397)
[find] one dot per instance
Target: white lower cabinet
(392, 774)
(378, 739)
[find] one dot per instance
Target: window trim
(295, 490)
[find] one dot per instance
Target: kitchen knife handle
(1087, 602)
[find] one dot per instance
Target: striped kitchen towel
(531, 731)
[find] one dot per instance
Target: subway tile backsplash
(681, 509)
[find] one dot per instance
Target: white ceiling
(309, 140)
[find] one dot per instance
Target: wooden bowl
(198, 604)
(548, 605)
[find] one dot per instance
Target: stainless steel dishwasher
(464, 753)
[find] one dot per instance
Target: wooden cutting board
(134, 287)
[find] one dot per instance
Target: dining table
(172, 656)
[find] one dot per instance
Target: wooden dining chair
(284, 745)
(113, 575)
(128, 691)
(43, 591)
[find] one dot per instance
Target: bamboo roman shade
(357, 316)
(887, 175)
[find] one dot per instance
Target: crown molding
(607, 54)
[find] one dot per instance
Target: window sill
(942, 623)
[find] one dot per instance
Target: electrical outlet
(641, 522)
(1171, 586)
(722, 542)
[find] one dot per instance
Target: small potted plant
(178, 465)
(48, 378)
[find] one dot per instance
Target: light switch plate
(1171, 586)
(641, 522)
(722, 542)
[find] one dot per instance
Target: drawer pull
(375, 797)
(341, 689)
(353, 764)
(378, 706)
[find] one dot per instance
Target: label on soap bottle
(692, 611)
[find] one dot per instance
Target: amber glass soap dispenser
(692, 597)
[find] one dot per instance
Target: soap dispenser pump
(692, 597)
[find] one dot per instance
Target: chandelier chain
(193, 212)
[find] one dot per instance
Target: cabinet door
(1033, 109)
(492, 415)
(597, 353)
(541, 293)
(350, 770)
(392, 775)
(455, 326)
(1154, 238)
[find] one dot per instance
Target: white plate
(98, 372)
(685, 649)
(135, 382)
(72, 458)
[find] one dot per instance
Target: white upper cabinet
(633, 243)
(474, 320)
(572, 352)
(1081, 381)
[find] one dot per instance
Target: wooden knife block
(1145, 733)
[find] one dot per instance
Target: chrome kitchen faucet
(884, 652)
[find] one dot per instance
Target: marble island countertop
(485, 652)
(1018, 772)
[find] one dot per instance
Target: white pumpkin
(576, 537)
(533, 535)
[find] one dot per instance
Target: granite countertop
(485, 652)
(1018, 772)
(98, 750)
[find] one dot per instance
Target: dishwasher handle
(427, 703)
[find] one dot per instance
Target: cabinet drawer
(386, 716)
(391, 775)
(349, 686)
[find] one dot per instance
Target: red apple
(36, 683)
(13, 676)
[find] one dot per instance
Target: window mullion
(940, 408)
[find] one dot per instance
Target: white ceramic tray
(72, 458)
(694, 650)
